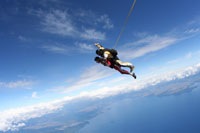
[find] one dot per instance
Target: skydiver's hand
(97, 44)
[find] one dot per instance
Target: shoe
(133, 74)
(131, 68)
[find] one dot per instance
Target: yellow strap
(125, 23)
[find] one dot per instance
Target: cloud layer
(15, 118)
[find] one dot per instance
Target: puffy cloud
(13, 119)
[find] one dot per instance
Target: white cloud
(191, 31)
(149, 44)
(22, 38)
(58, 22)
(144, 82)
(66, 49)
(180, 74)
(193, 26)
(106, 20)
(62, 23)
(15, 118)
(84, 47)
(62, 49)
(88, 78)
(89, 17)
(92, 34)
(85, 16)
(153, 43)
(17, 84)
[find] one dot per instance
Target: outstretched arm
(99, 46)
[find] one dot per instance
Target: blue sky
(47, 51)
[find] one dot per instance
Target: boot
(133, 74)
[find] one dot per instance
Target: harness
(113, 52)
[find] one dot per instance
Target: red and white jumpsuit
(117, 67)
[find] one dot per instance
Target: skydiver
(115, 66)
(111, 55)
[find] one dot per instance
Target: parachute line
(125, 23)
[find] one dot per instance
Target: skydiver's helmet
(97, 59)
(99, 52)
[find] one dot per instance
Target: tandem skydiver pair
(108, 57)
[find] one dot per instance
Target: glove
(97, 44)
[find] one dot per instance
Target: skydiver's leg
(133, 74)
(125, 64)
(122, 71)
